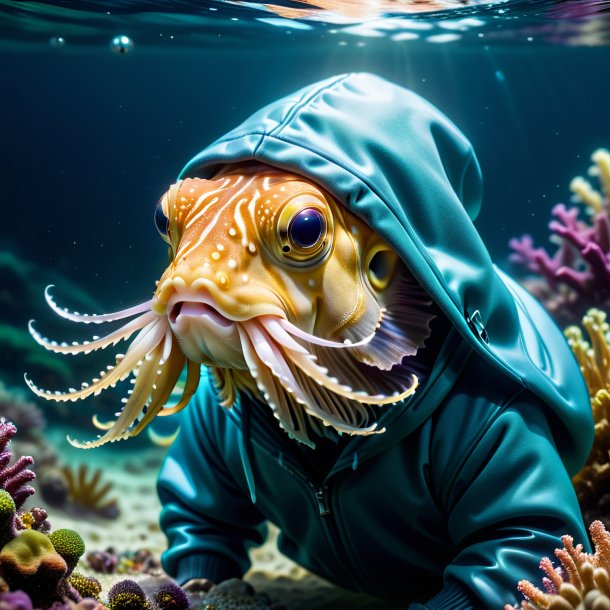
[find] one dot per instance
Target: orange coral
(581, 582)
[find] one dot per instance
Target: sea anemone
(127, 595)
(169, 596)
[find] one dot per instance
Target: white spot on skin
(215, 255)
(232, 264)
(220, 247)
(244, 278)
(232, 232)
(251, 248)
(312, 282)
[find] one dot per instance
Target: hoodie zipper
(321, 494)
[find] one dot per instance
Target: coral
(69, 545)
(35, 519)
(30, 563)
(87, 492)
(87, 586)
(14, 478)
(127, 595)
(103, 562)
(581, 582)
(7, 517)
(592, 483)
(577, 275)
(18, 600)
(170, 596)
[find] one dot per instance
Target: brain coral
(30, 563)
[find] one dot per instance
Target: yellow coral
(594, 360)
(596, 201)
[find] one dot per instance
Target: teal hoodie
(470, 485)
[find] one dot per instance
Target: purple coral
(14, 478)
(170, 596)
(577, 276)
(17, 600)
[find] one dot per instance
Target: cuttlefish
(281, 292)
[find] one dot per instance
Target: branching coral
(14, 478)
(592, 483)
(580, 582)
(577, 275)
(86, 491)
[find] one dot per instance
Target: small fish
(281, 292)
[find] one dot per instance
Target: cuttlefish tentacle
(96, 343)
(146, 341)
(260, 352)
(193, 374)
(94, 318)
(275, 360)
(320, 374)
(272, 324)
(135, 405)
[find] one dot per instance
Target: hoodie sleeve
(208, 518)
(529, 503)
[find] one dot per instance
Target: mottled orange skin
(226, 238)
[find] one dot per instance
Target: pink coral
(577, 275)
(14, 478)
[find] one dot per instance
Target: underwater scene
(304, 305)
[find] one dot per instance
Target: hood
(405, 169)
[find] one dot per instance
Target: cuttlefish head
(281, 292)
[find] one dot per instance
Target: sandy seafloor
(133, 473)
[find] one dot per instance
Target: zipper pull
(475, 324)
(322, 502)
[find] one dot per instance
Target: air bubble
(121, 44)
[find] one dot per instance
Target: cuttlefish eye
(161, 220)
(307, 228)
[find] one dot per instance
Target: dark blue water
(91, 137)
